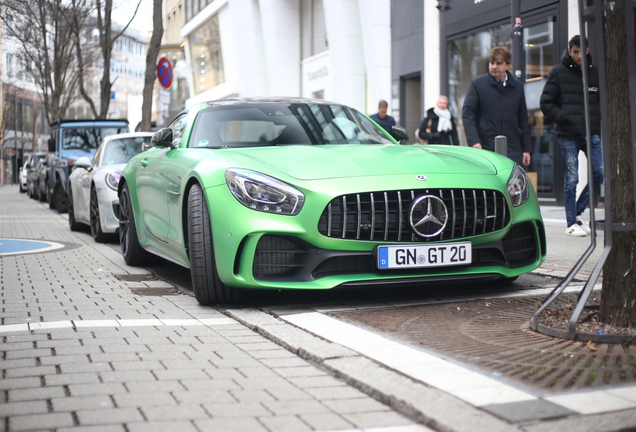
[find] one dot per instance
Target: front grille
(384, 216)
(520, 245)
(277, 256)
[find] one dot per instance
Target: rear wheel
(131, 250)
(96, 225)
(208, 287)
(72, 223)
(60, 200)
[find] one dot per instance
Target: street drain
(494, 336)
(135, 277)
(156, 292)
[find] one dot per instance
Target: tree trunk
(618, 300)
(151, 65)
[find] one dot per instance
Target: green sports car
(307, 194)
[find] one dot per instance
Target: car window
(283, 124)
(78, 138)
(119, 151)
(178, 126)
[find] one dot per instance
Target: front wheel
(131, 250)
(96, 225)
(208, 287)
(72, 223)
(60, 200)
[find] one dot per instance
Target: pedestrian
(439, 126)
(496, 105)
(382, 118)
(562, 102)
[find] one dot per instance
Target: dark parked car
(33, 164)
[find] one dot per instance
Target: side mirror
(399, 133)
(51, 144)
(27, 165)
(162, 138)
(83, 162)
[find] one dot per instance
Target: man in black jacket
(496, 105)
(562, 103)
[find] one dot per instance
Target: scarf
(444, 124)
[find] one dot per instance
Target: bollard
(501, 145)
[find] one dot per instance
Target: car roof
(265, 100)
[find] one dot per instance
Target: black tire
(72, 223)
(41, 194)
(208, 288)
(60, 199)
(22, 189)
(131, 250)
(96, 225)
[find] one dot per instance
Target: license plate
(433, 255)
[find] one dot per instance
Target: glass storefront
(468, 58)
(206, 56)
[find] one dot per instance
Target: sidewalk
(82, 351)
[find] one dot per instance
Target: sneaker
(585, 225)
(575, 230)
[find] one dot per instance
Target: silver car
(92, 187)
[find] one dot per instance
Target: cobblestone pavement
(91, 344)
(82, 351)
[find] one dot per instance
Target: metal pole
(501, 145)
(517, 38)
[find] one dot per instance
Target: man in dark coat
(562, 103)
(496, 105)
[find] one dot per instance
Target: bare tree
(41, 29)
(618, 301)
(107, 36)
(151, 61)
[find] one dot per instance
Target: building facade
(329, 49)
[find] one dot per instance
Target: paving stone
(236, 410)
(294, 407)
(144, 399)
(80, 403)
(164, 426)
(154, 386)
(35, 394)
(23, 408)
(128, 376)
(29, 372)
(181, 374)
(358, 405)
(326, 421)
(72, 378)
(22, 382)
(108, 416)
(216, 384)
(377, 420)
(285, 424)
(230, 425)
(96, 389)
(35, 422)
(100, 428)
(65, 359)
(174, 412)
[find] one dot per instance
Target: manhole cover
(157, 292)
(135, 277)
(494, 335)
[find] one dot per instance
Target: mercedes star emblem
(428, 216)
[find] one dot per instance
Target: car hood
(341, 161)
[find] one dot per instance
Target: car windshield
(88, 139)
(283, 124)
(120, 150)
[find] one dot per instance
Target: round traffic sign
(164, 72)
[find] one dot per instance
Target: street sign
(164, 72)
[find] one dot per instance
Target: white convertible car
(92, 187)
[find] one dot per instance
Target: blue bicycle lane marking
(19, 246)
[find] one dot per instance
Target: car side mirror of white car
(83, 162)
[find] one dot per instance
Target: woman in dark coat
(439, 126)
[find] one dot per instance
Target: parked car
(92, 187)
(22, 175)
(70, 140)
(307, 194)
(32, 174)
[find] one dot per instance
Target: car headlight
(518, 186)
(112, 179)
(263, 193)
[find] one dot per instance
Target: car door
(157, 183)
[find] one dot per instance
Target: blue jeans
(570, 148)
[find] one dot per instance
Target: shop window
(206, 54)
